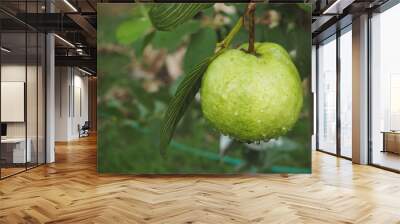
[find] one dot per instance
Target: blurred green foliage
(138, 71)
(126, 35)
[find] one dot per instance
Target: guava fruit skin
(252, 97)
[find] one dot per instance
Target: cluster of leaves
(130, 116)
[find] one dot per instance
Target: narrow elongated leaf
(168, 16)
(184, 95)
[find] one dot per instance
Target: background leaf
(106, 25)
(142, 43)
(129, 31)
(202, 45)
(168, 40)
(168, 16)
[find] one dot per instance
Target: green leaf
(142, 43)
(129, 31)
(202, 45)
(184, 95)
(108, 21)
(167, 17)
(172, 39)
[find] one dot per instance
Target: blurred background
(139, 69)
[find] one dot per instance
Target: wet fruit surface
(252, 97)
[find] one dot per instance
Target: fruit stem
(228, 39)
(251, 8)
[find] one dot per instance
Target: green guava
(252, 97)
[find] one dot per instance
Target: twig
(228, 39)
(251, 8)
